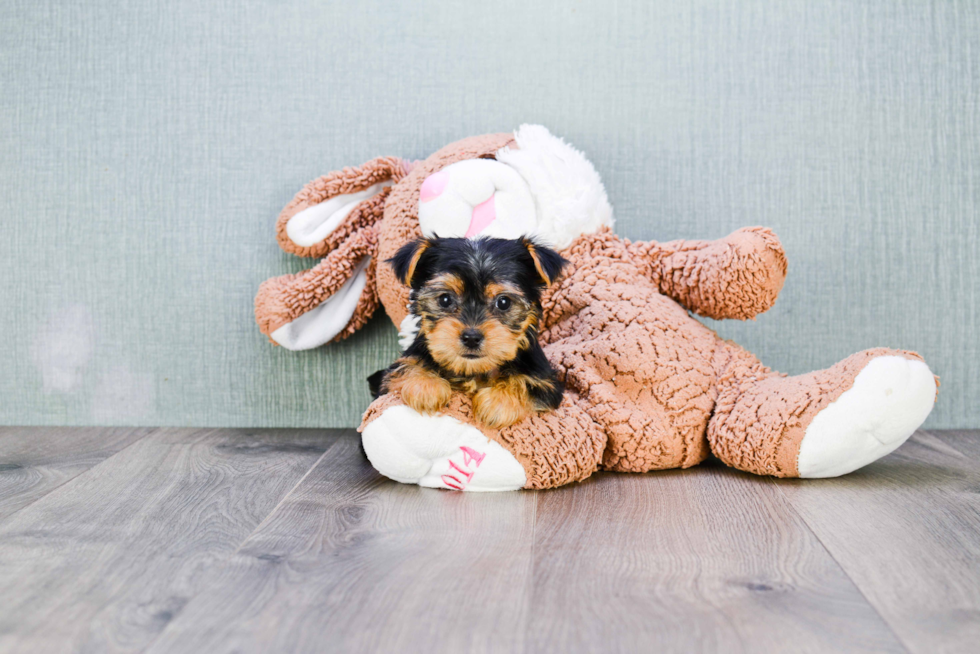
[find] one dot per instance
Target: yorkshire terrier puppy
(479, 303)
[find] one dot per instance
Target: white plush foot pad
(890, 398)
(439, 452)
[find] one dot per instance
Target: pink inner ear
(433, 186)
(483, 214)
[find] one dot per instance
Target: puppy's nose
(471, 338)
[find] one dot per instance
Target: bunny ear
(331, 208)
(328, 302)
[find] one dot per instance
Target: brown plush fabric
(281, 300)
(661, 385)
(760, 416)
(641, 362)
(737, 277)
(349, 180)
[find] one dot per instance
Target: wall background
(146, 149)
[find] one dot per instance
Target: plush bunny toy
(648, 387)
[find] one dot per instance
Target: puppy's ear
(407, 259)
(547, 262)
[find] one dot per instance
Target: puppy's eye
(445, 300)
(502, 303)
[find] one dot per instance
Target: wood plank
(965, 441)
(104, 562)
(36, 460)
(906, 529)
(707, 559)
(353, 562)
(140, 551)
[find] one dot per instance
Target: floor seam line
(285, 497)
(226, 560)
(149, 433)
(532, 567)
(840, 566)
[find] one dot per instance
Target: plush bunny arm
(738, 276)
(328, 302)
(332, 207)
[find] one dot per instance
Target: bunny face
(477, 197)
(529, 183)
(401, 215)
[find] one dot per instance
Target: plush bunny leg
(822, 424)
(328, 302)
(438, 451)
(451, 451)
(738, 276)
(331, 208)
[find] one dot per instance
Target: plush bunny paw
(438, 452)
(890, 398)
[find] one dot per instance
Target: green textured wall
(146, 149)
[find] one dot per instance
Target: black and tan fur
(479, 304)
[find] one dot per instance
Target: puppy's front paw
(421, 389)
(500, 405)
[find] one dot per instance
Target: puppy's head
(479, 300)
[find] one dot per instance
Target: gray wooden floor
(182, 540)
